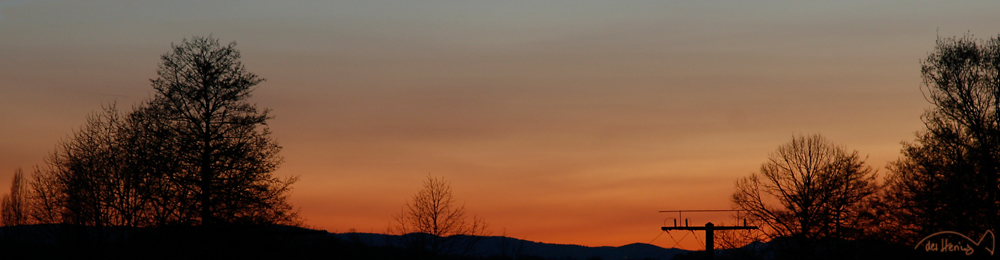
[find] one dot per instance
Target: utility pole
(709, 229)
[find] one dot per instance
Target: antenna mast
(709, 228)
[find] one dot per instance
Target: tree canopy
(197, 153)
(435, 224)
(947, 179)
(808, 188)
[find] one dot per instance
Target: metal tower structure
(709, 228)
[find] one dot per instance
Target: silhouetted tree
(45, 198)
(196, 154)
(948, 178)
(87, 169)
(435, 223)
(152, 160)
(225, 151)
(13, 208)
(741, 244)
(102, 175)
(808, 189)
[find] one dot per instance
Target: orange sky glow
(561, 122)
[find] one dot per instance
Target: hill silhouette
(493, 246)
(62, 241)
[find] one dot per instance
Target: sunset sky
(556, 121)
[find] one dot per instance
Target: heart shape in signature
(950, 241)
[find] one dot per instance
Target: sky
(568, 122)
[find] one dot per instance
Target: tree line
(199, 154)
(811, 190)
(196, 154)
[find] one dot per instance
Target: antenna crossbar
(709, 228)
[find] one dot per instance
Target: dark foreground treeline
(64, 241)
(61, 241)
(55, 241)
(834, 249)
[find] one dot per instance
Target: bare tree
(436, 223)
(85, 167)
(45, 199)
(196, 154)
(14, 205)
(742, 244)
(808, 188)
(97, 177)
(226, 153)
(949, 177)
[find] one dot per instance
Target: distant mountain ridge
(64, 241)
(495, 246)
